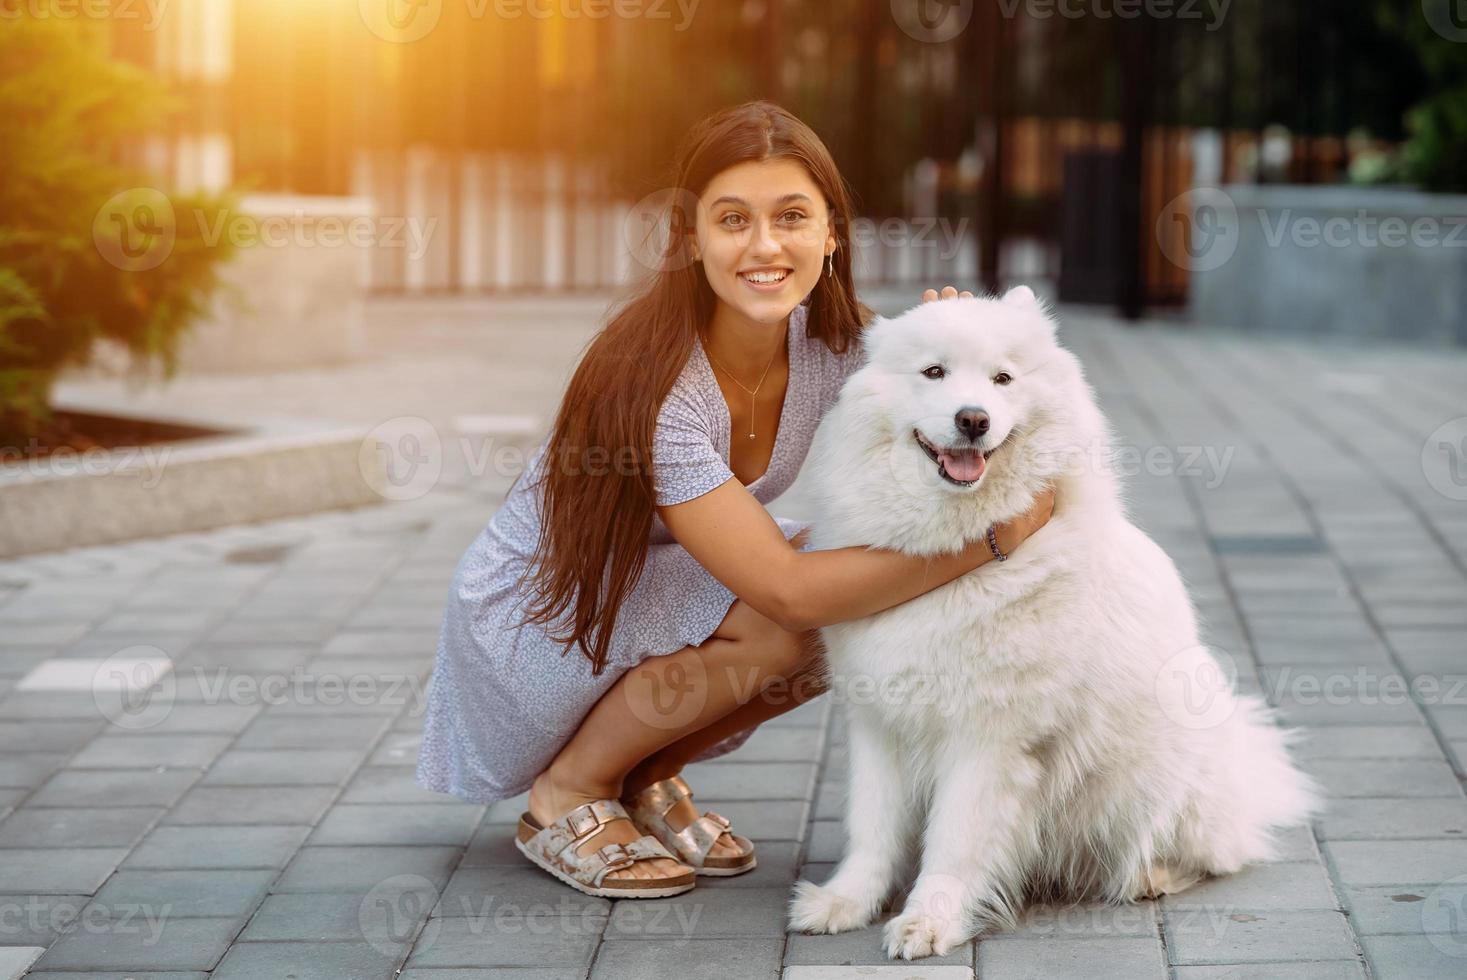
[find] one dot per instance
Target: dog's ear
(1021, 296)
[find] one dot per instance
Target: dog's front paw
(915, 934)
(817, 909)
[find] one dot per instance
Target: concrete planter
(256, 473)
(1339, 261)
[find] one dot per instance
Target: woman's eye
(1002, 378)
(793, 216)
(730, 220)
(934, 372)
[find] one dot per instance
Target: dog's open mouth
(961, 466)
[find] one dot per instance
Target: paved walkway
(255, 817)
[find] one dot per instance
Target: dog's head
(968, 405)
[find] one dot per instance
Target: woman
(641, 522)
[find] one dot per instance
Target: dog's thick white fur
(1052, 718)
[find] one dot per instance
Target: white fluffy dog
(1085, 745)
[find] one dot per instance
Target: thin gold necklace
(736, 381)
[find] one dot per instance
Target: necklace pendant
(751, 435)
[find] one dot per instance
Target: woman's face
(763, 231)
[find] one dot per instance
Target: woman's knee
(785, 651)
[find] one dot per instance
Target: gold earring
(830, 264)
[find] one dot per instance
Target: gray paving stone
(799, 740)
(337, 917)
(276, 805)
(166, 944)
(1391, 778)
(1302, 885)
(385, 824)
(1409, 910)
(307, 961)
(282, 767)
(544, 941)
(1327, 970)
(36, 920)
(752, 913)
(117, 827)
(1087, 921)
(390, 784)
(1370, 742)
(284, 731)
(42, 735)
(1101, 959)
(357, 870)
(750, 781)
(911, 971)
(26, 770)
(57, 871)
(202, 719)
(1219, 936)
(14, 960)
(520, 889)
(183, 848)
(148, 751)
(1391, 862)
(187, 894)
(859, 947)
(512, 973)
(1384, 819)
(1413, 958)
(698, 959)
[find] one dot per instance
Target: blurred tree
(1435, 155)
(86, 251)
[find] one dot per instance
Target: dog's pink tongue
(965, 466)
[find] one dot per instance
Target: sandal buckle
(582, 820)
(615, 857)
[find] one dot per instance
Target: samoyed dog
(1084, 745)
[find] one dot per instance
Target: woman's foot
(549, 801)
(679, 814)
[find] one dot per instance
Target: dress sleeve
(685, 463)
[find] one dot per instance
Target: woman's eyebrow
(729, 199)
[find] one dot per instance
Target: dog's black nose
(972, 422)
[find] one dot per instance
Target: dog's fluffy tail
(1261, 793)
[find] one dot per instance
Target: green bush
(87, 248)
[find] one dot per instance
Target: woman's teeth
(764, 278)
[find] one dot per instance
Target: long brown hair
(597, 511)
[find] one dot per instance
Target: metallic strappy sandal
(649, 808)
(553, 848)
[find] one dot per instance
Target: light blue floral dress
(503, 700)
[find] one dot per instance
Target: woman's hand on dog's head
(948, 292)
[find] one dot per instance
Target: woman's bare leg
(659, 703)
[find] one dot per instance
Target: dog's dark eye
(934, 372)
(1002, 378)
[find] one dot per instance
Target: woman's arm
(731, 534)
